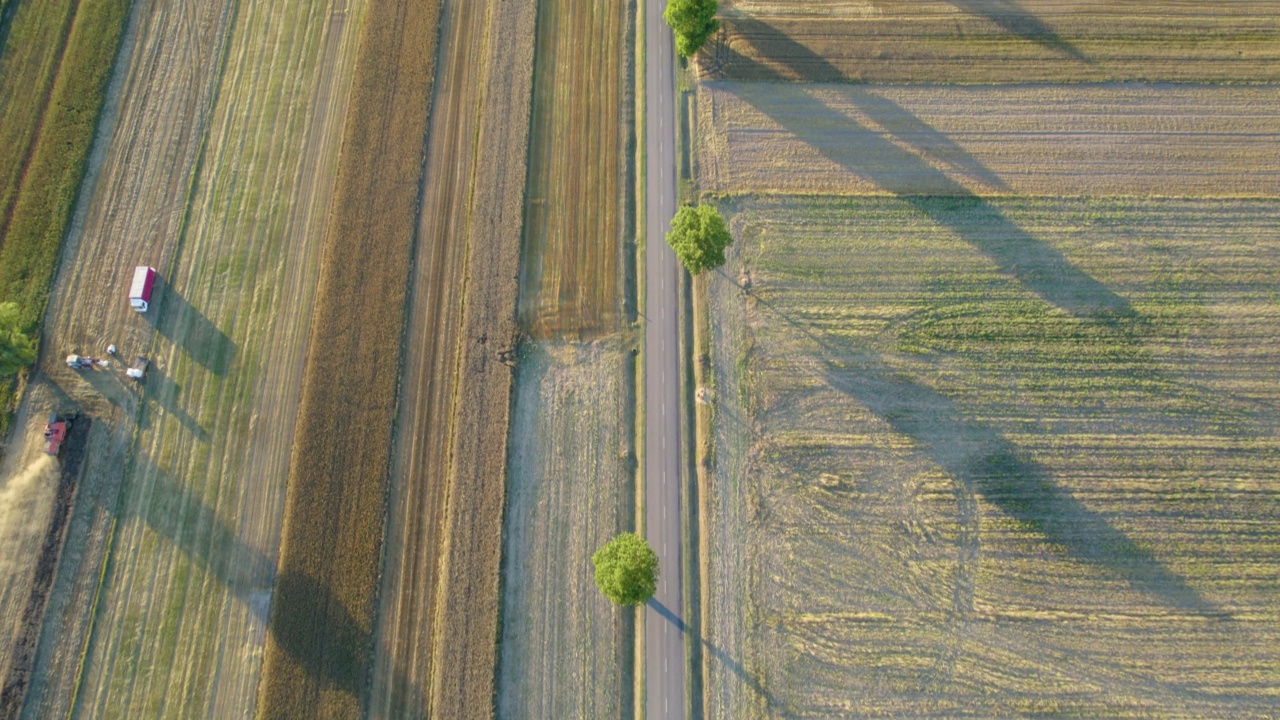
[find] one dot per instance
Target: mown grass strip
(322, 614)
(47, 192)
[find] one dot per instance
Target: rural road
(664, 641)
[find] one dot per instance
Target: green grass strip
(47, 193)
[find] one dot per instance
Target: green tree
(626, 569)
(16, 349)
(693, 22)
(699, 237)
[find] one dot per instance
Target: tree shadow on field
(906, 157)
(983, 461)
(158, 389)
(778, 708)
(319, 632)
(1016, 20)
(300, 613)
(181, 517)
(177, 319)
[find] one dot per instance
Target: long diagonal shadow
(722, 657)
(984, 461)
(1016, 20)
(877, 153)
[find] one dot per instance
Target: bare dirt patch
(965, 470)
(566, 651)
(1163, 140)
(996, 41)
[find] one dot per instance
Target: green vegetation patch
(996, 457)
(44, 149)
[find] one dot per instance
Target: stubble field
(1166, 140)
(579, 169)
(210, 166)
(437, 627)
(1028, 474)
(564, 650)
(994, 357)
(996, 41)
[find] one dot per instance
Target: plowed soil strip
(335, 503)
(1163, 140)
(438, 620)
(997, 41)
(24, 646)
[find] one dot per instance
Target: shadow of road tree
(983, 461)
(175, 318)
(776, 706)
(1010, 16)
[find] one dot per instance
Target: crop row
(995, 457)
(319, 648)
(53, 80)
(575, 225)
(994, 41)
(1023, 139)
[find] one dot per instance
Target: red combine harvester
(55, 433)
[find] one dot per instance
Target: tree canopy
(693, 22)
(626, 569)
(16, 349)
(699, 237)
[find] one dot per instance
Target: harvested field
(336, 502)
(997, 41)
(1163, 140)
(437, 628)
(990, 458)
(576, 226)
(211, 165)
(566, 651)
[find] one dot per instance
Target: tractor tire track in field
(439, 613)
(160, 603)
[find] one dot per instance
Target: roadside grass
(335, 503)
(944, 483)
(56, 139)
(995, 41)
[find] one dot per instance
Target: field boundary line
(642, 308)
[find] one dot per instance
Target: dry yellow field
(1124, 139)
(579, 169)
(997, 41)
(948, 484)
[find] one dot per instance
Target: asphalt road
(664, 641)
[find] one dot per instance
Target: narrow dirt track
(213, 164)
(438, 620)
